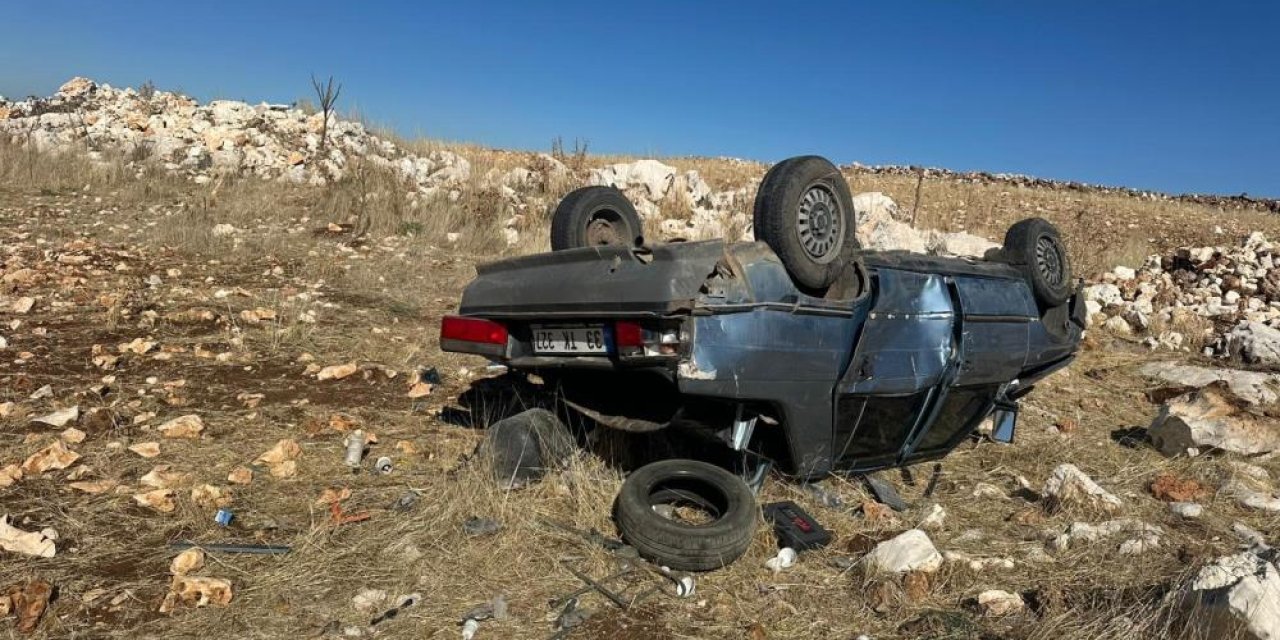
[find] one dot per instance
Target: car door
(904, 351)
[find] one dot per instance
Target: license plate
(576, 340)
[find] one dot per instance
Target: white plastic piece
(786, 558)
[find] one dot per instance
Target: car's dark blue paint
(898, 370)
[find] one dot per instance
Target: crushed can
(383, 466)
(355, 448)
(223, 517)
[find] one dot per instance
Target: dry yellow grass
(378, 296)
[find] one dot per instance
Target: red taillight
(628, 334)
(473, 335)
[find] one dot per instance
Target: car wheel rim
(605, 228)
(1049, 260)
(818, 223)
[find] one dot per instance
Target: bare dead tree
(915, 204)
(327, 94)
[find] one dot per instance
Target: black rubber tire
(595, 216)
(1035, 248)
(680, 545)
(776, 218)
(522, 448)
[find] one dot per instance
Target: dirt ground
(242, 321)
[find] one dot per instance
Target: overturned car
(799, 350)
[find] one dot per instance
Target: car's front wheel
(1035, 248)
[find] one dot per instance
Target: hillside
(201, 302)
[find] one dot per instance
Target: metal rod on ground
(564, 599)
(615, 598)
(933, 479)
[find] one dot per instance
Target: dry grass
(377, 291)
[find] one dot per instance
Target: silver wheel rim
(819, 223)
(1049, 261)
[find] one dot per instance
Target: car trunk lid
(595, 282)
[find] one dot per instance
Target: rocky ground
(179, 340)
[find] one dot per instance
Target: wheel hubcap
(1049, 260)
(818, 223)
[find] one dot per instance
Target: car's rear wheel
(1035, 248)
(686, 514)
(804, 212)
(593, 217)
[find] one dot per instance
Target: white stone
(1237, 596)
(1104, 294)
(651, 178)
(1210, 418)
(1254, 387)
(995, 602)
(934, 518)
(911, 550)
(1188, 510)
(1069, 485)
(1118, 325)
(873, 207)
(1124, 273)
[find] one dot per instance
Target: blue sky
(1176, 96)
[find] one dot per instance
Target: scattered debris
(10, 474)
(355, 445)
(187, 561)
(281, 460)
(208, 495)
(1168, 487)
(786, 558)
(240, 475)
(94, 487)
(188, 426)
(61, 417)
(146, 449)
(476, 526)
(53, 457)
(29, 601)
(337, 371)
(161, 500)
(884, 492)
(368, 599)
(794, 527)
(72, 435)
(33, 543)
(196, 591)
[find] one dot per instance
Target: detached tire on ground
(686, 484)
(804, 212)
(593, 217)
(523, 447)
(1035, 248)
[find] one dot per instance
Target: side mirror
(1004, 421)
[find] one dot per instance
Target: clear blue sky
(1175, 96)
